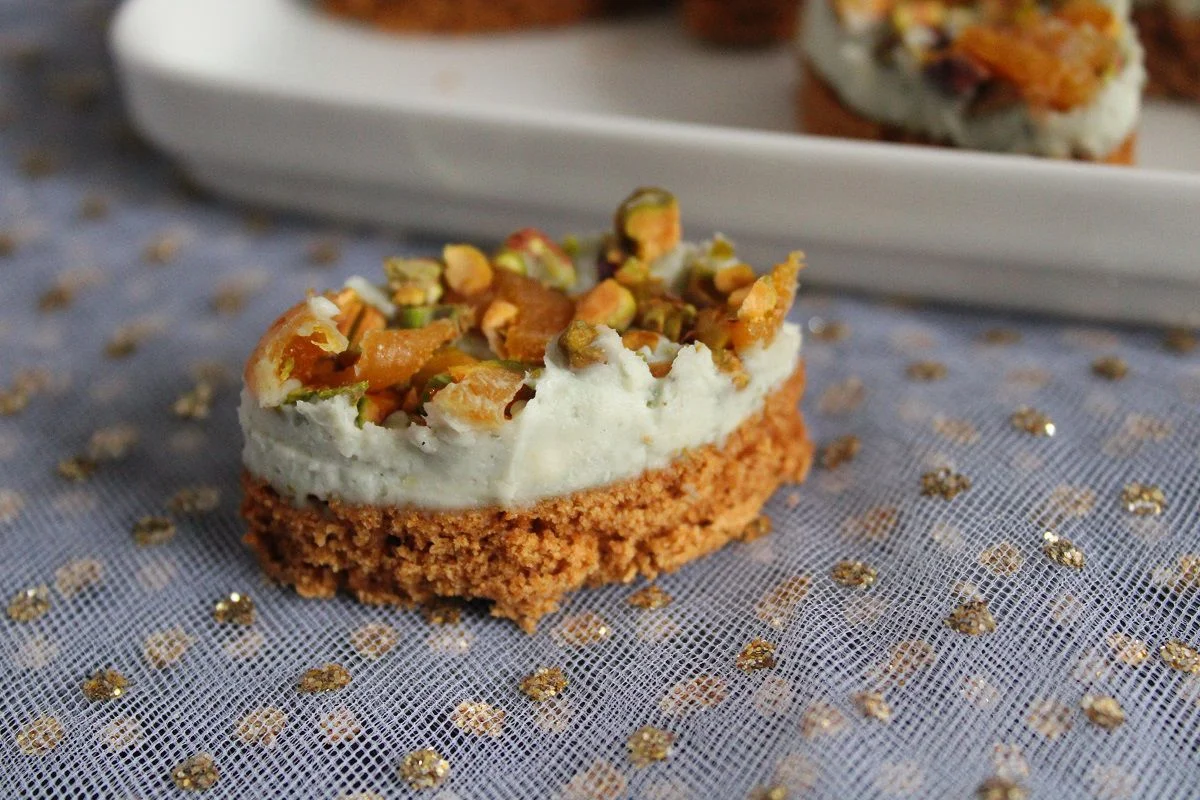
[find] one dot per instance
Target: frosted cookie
(512, 427)
(1012, 77)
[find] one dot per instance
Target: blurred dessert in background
(1170, 34)
(1061, 81)
(741, 23)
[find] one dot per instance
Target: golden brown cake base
(741, 23)
(524, 560)
(464, 16)
(1172, 44)
(822, 112)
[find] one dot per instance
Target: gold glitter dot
(236, 608)
(39, 163)
(162, 249)
(999, 337)
(544, 683)
(703, 691)
(29, 604)
(1180, 656)
(164, 648)
(105, 684)
(1062, 551)
(76, 468)
(828, 330)
(553, 715)
(1009, 761)
(972, 618)
(926, 371)
(1049, 718)
(773, 696)
(121, 734)
(374, 640)
(1111, 782)
(842, 398)
(423, 769)
(1180, 340)
(1143, 499)
(149, 531)
(649, 744)
(854, 574)
(1003, 559)
(840, 451)
(194, 500)
(1065, 502)
(325, 678)
(451, 639)
(600, 781)
(324, 252)
(13, 401)
(76, 576)
(93, 206)
(907, 658)
(442, 612)
(196, 403)
(1103, 711)
(480, 719)
(980, 692)
(261, 726)
(874, 524)
(57, 297)
(197, 773)
(1128, 650)
(944, 483)
(769, 793)
(873, 705)
(1033, 422)
(959, 431)
(821, 719)
(757, 654)
(582, 630)
(40, 736)
(649, 598)
(1112, 368)
(245, 646)
(1001, 789)
(339, 725)
(779, 605)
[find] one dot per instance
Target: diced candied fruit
(440, 362)
(468, 271)
(391, 357)
(482, 395)
(636, 340)
(301, 338)
(609, 303)
(647, 223)
(497, 319)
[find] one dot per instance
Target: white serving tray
(269, 101)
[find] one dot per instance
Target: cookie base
(822, 112)
(1172, 45)
(525, 560)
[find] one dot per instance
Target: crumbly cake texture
(525, 560)
(822, 112)
(741, 23)
(1172, 44)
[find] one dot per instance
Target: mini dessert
(741, 23)
(1012, 76)
(1170, 33)
(516, 426)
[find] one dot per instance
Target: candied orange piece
(763, 309)
(1085, 12)
(377, 406)
(301, 342)
(482, 395)
(442, 361)
(543, 313)
(356, 316)
(391, 357)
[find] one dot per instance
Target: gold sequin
(194, 500)
(29, 604)
(958, 431)
(1128, 650)
(162, 249)
(105, 684)
(553, 715)
(1062, 551)
(649, 744)
(944, 483)
(926, 371)
(757, 528)
(1143, 499)
(93, 207)
(779, 605)
(649, 598)
(339, 725)
(582, 630)
(164, 648)
(773, 696)
(36, 652)
(1002, 559)
(703, 691)
(998, 337)
(1009, 761)
(1049, 718)
(40, 736)
(423, 769)
(1112, 368)
(442, 612)
(196, 403)
(76, 576)
(757, 654)
(907, 658)
(451, 639)
(11, 504)
(874, 524)
(769, 793)
(76, 468)
(873, 705)
(198, 773)
(854, 574)
(1180, 656)
(374, 640)
(1001, 789)
(980, 692)
(121, 734)
(544, 683)
(245, 646)
(261, 726)
(1033, 422)
(842, 398)
(236, 608)
(821, 719)
(1180, 340)
(149, 531)
(972, 618)
(39, 163)
(841, 450)
(326, 678)
(56, 298)
(600, 781)
(1103, 711)
(480, 719)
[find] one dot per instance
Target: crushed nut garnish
(840, 451)
(1143, 499)
(944, 483)
(29, 604)
(873, 705)
(649, 744)
(149, 531)
(650, 598)
(481, 719)
(854, 574)
(1111, 368)
(926, 371)
(544, 683)
(757, 654)
(326, 678)
(235, 607)
(1103, 711)
(105, 684)
(1180, 656)
(196, 774)
(1062, 551)
(1033, 422)
(972, 618)
(423, 769)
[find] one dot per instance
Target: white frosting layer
(583, 428)
(899, 95)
